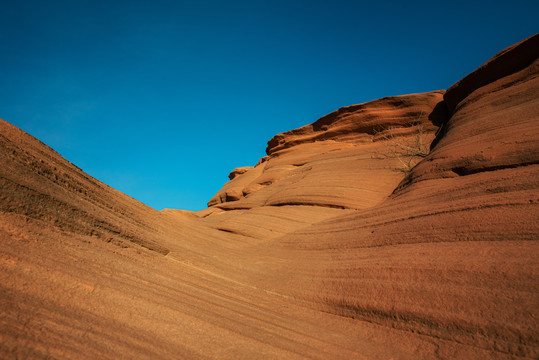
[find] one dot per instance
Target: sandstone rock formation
(404, 227)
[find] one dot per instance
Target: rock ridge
(404, 227)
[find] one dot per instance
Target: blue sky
(162, 99)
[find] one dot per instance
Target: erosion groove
(320, 251)
(462, 171)
(298, 203)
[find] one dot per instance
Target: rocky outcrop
(239, 171)
(359, 123)
(456, 242)
(349, 159)
(434, 240)
(506, 62)
(404, 227)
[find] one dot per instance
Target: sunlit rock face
(349, 159)
(405, 227)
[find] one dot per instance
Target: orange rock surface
(405, 228)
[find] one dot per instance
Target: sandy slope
(341, 243)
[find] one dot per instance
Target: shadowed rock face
(404, 227)
(508, 61)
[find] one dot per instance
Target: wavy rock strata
(404, 227)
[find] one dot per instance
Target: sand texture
(402, 228)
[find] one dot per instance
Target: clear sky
(162, 99)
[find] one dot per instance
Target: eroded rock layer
(404, 227)
(346, 159)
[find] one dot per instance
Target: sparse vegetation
(407, 152)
